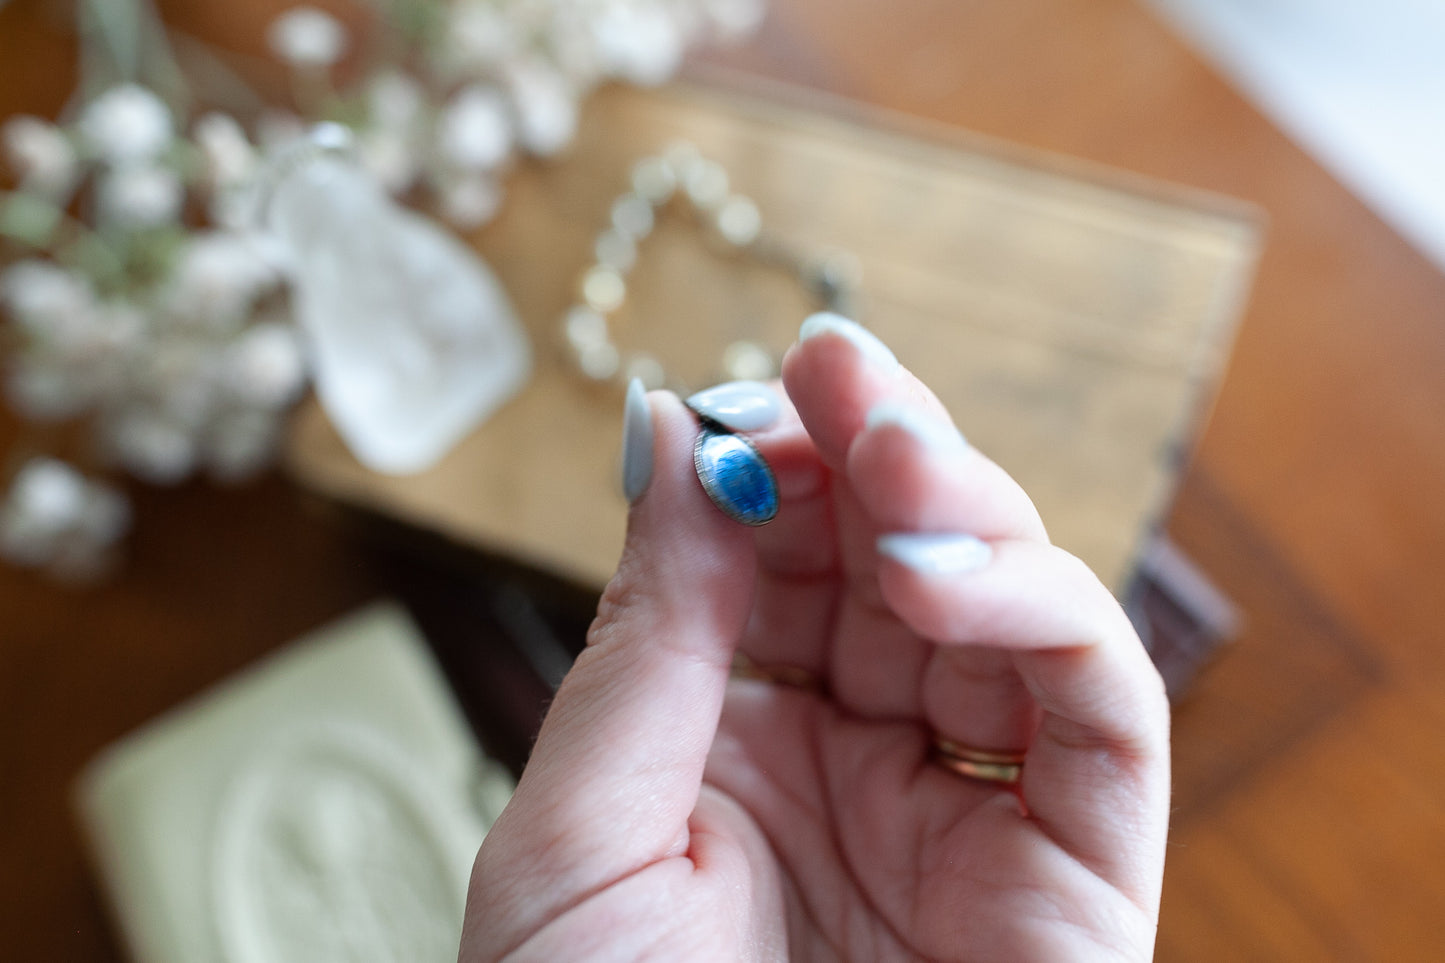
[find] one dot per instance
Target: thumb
(617, 767)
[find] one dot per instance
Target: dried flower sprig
(141, 301)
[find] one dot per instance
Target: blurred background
(1293, 539)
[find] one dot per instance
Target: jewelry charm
(735, 475)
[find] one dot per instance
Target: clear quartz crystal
(412, 338)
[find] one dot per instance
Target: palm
(882, 856)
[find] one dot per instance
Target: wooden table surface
(1310, 821)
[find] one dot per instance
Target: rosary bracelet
(682, 179)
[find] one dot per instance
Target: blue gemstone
(735, 477)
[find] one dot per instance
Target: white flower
(53, 516)
(307, 37)
(49, 494)
(126, 124)
(151, 447)
(44, 298)
(395, 101)
(230, 158)
(140, 195)
(479, 36)
(180, 381)
(470, 202)
(118, 329)
(40, 154)
(573, 47)
(639, 42)
(217, 279)
(546, 107)
(266, 367)
(474, 132)
(388, 157)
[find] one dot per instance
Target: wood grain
(1324, 447)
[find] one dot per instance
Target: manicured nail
(636, 442)
(934, 433)
(933, 554)
(867, 343)
(739, 405)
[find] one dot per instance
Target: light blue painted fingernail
(867, 343)
(934, 554)
(636, 442)
(738, 405)
(934, 433)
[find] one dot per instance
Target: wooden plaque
(1072, 318)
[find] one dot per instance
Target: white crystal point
(413, 341)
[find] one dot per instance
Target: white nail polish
(932, 432)
(935, 554)
(636, 442)
(739, 405)
(867, 343)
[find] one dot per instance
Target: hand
(671, 813)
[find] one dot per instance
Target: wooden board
(1071, 318)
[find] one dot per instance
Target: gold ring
(985, 765)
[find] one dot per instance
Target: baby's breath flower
(126, 124)
(140, 195)
(40, 154)
(475, 132)
(307, 37)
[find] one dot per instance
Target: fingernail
(867, 343)
(636, 442)
(739, 405)
(933, 554)
(934, 433)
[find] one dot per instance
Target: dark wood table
(1310, 823)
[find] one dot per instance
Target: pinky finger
(1097, 775)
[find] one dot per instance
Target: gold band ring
(985, 765)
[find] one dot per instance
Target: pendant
(735, 475)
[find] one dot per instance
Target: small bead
(706, 185)
(654, 180)
(616, 250)
(738, 221)
(747, 361)
(647, 369)
(681, 158)
(603, 289)
(599, 362)
(632, 216)
(585, 327)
